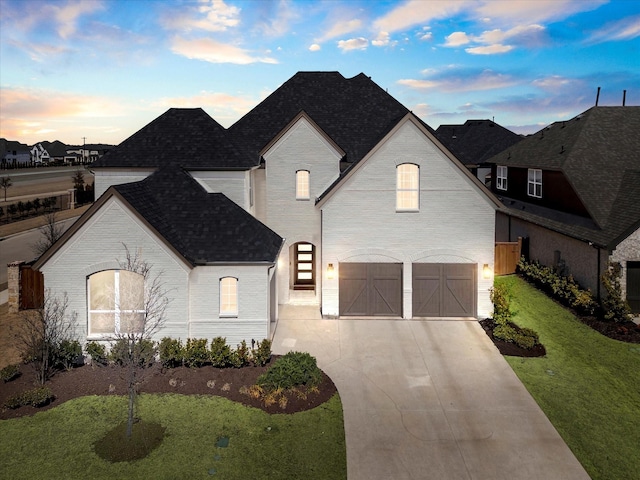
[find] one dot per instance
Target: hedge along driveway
(58, 443)
(588, 385)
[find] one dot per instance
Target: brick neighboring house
(573, 189)
(475, 142)
(328, 193)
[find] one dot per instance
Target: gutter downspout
(599, 273)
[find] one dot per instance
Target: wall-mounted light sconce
(330, 271)
(486, 271)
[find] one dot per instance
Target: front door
(304, 266)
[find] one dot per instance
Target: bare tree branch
(51, 231)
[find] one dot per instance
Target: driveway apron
(429, 399)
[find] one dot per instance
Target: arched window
(116, 302)
(408, 188)
(229, 297)
(302, 185)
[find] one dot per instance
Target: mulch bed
(111, 380)
(508, 348)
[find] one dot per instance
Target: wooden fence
(507, 256)
(31, 288)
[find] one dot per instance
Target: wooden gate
(507, 256)
(31, 288)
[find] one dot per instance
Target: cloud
(30, 113)
(381, 40)
(285, 14)
(457, 39)
(489, 49)
(209, 50)
(339, 28)
(315, 47)
(552, 83)
(225, 108)
(624, 29)
(67, 15)
(353, 44)
(426, 36)
(455, 80)
(39, 52)
(208, 15)
(532, 11)
(415, 12)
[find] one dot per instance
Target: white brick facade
(627, 251)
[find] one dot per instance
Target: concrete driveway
(428, 399)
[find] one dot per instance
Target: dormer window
(302, 185)
(534, 183)
(501, 177)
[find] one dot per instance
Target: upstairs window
(407, 188)
(302, 185)
(535, 183)
(116, 302)
(501, 177)
(228, 297)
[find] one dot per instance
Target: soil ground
(111, 380)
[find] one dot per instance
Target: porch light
(486, 271)
(330, 271)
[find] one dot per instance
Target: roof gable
(188, 137)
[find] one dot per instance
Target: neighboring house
(573, 189)
(372, 215)
(475, 142)
(39, 155)
(13, 154)
(57, 152)
(88, 153)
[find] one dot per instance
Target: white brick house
(342, 199)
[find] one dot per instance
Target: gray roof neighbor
(598, 151)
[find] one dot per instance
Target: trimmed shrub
(98, 353)
(68, 354)
(171, 352)
(499, 295)
(36, 397)
(9, 373)
(220, 353)
(240, 356)
(123, 350)
(295, 369)
(261, 355)
(195, 352)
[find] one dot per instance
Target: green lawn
(58, 443)
(588, 385)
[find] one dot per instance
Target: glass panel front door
(304, 270)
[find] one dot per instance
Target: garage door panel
(444, 290)
(633, 286)
(370, 289)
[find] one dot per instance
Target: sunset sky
(104, 69)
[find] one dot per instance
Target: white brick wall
(301, 148)
(98, 245)
(103, 179)
(455, 223)
(233, 184)
(252, 321)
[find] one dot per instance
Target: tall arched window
(116, 302)
(302, 185)
(228, 296)
(408, 188)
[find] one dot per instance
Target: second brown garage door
(371, 289)
(444, 290)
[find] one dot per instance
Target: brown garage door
(633, 286)
(371, 289)
(444, 290)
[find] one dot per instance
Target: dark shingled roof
(355, 112)
(598, 151)
(476, 141)
(188, 137)
(203, 227)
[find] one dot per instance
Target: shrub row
(295, 369)
(196, 353)
(9, 372)
(564, 289)
(505, 330)
(36, 397)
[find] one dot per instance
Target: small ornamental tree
(138, 325)
(5, 183)
(614, 307)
